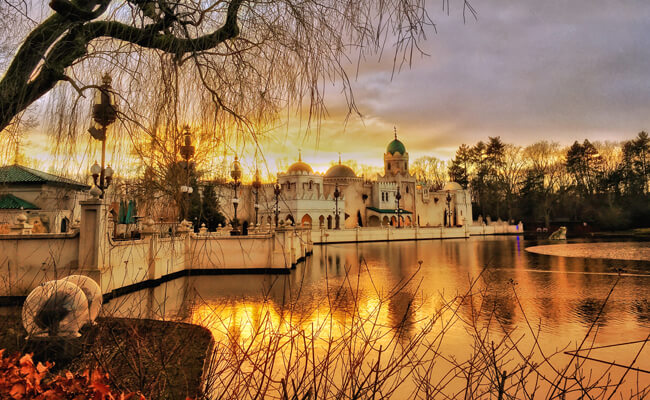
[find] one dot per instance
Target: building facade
(394, 198)
(50, 202)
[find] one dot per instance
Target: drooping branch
(63, 38)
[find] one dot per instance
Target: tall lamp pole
(187, 152)
(277, 189)
(398, 197)
(104, 114)
(235, 173)
(257, 184)
(337, 194)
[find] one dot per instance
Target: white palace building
(309, 199)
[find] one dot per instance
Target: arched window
(389, 166)
(64, 225)
(407, 188)
(311, 183)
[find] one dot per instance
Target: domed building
(312, 199)
(340, 171)
(299, 167)
(396, 159)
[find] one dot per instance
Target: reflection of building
(309, 199)
(48, 201)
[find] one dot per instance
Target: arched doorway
(306, 220)
(384, 221)
(408, 221)
(393, 221)
(321, 222)
(373, 220)
(329, 222)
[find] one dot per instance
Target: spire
(339, 158)
(299, 154)
(395, 131)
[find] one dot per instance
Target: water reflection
(401, 286)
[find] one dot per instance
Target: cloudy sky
(525, 70)
(528, 70)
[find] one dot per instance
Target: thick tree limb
(63, 38)
(167, 42)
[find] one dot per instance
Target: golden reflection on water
(382, 291)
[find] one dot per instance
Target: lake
(469, 289)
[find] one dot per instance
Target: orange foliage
(21, 379)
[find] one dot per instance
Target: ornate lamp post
(187, 152)
(337, 194)
(235, 174)
(448, 208)
(398, 197)
(257, 184)
(104, 114)
(277, 189)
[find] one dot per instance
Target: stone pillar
(150, 235)
(93, 238)
(185, 229)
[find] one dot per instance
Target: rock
(560, 234)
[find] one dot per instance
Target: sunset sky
(529, 70)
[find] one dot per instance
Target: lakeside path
(637, 251)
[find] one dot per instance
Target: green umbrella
(121, 216)
(135, 211)
(130, 212)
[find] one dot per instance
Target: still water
(400, 285)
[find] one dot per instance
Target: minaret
(396, 158)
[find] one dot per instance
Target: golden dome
(299, 167)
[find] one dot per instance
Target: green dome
(396, 147)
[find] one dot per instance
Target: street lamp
(277, 189)
(187, 152)
(257, 184)
(448, 208)
(337, 194)
(104, 114)
(235, 173)
(398, 197)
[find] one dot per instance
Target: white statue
(55, 309)
(92, 291)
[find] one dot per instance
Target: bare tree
(430, 170)
(248, 58)
(546, 158)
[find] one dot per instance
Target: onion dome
(300, 167)
(340, 171)
(396, 146)
(452, 186)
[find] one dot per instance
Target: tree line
(603, 184)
